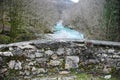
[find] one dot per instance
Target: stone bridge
(30, 59)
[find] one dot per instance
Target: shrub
(24, 37)
(4, 39)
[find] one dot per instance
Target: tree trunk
(3, 25)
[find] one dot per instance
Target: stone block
(55, 62)
(71, 62)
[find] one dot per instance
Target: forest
(22, 20)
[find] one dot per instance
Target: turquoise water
(60, 31)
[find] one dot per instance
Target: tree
(111, 20)
(15, 10)
(2, 14)
(86, 17)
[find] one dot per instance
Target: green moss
(12, 75)
(6, 60)
(24, 37)
(115, 72)
(73, 70)
(111, 20)
(63, 63)
(85, 76)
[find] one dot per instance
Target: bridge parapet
(45, 57)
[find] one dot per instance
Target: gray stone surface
(71, 62)
(41, 60)
(11, 64)
(56, 78)
(64, 72)
(27, 47)
(32, 56)
(41, 70)
(27, 67)
(49, 52)
(7, 54)
(15, 65)
(26, 72)
(1, 59)
(60, 51)
(55, 62)
(68, 51)
(38, 54)
(31, 63)
(2, 71)
(18, 65)
(111, 50)
(54, 56)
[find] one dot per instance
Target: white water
(61, 32)
(75, 1)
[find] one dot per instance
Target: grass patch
(85, 76)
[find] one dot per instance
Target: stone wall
(47, 57)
